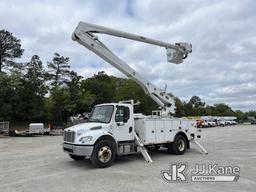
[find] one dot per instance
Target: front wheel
(179, 145)
(103, 154)
(76, 158)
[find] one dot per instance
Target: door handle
(130, 129)
(120, 123)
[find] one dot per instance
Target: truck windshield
(101, 114)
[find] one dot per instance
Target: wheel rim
(181, 145)
(105, 154)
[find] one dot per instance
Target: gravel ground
(38, 164)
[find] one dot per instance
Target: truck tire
(179, 146)
(76, 158)
(103, 154)
(153, 147)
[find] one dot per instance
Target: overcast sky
(221, 69)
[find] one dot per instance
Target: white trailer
(113, 128)
(34, 129)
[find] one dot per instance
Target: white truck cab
(109, 119)
(111, 122)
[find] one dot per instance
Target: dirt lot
(38, 164)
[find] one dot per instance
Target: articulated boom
(84, 34)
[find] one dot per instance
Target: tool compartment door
(150, 131)
(160, 138)
(168, 129)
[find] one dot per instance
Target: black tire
(76, 158)
(179, 146)
(104, 153)
(153, 147)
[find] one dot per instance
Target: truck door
(123, 124)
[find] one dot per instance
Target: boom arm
(85, 35)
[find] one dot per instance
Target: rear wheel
(103, 154)
(179, 145)
(76, 158)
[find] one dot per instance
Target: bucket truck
(113, 129)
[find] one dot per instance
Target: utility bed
(163, 130)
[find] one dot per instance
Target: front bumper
(79, 150)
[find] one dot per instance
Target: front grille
(69, 136)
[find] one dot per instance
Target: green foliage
(180, 108)
(100, 85)
(241, 115)
(10, 48)
(196, 107)
(128, 89)
(9, 100)
(222, 109)
(196, 102)
(35, 76)
(80, 100)
(22, 96)
(33, 90)
(251, 114)
(58, 105)
(58, 70)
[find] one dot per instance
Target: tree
(24, 92)
(57, 104)
(251, 113)
(10, 48)
(179, 111)
(36, 76)
(196, 102)
(33, 90)
(131, 90)
(9, 99)
(80, 100)
(58, 70)
(222, 109)
(101, 86)
(241, 115)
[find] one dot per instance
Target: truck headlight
(86, 138)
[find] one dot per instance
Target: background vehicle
(252, 120)
(34, 129)
(211, 123)
(200, 123)
(233, 122)
(221, 123)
